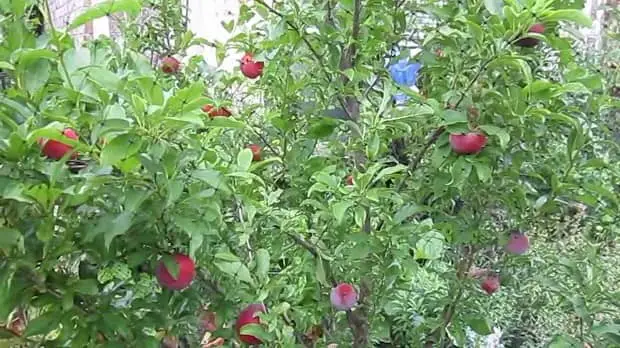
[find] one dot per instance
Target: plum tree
(172, 197)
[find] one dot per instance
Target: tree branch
(417, 158)
(314, 52)
(462, 268)
(306, 245)
(347, 61)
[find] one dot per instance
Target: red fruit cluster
(343, 297)
(537, 28)
(55, 149)
(170, 65)
(187, 272)
(467, 143)
(212, 111)
(249, 316)
(256, 152)
(251, 68)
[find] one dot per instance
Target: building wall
(64, 11)
(217, 11)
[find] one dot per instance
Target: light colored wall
(64, 11)
(206, 17)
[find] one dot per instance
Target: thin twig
(264, 140)
(417, 159)
(305, 244)
(298, 335)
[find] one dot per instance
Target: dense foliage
(142, 206)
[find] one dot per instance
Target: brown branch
(417, 158)
(450, 309)
(358, 319)
(305, 244)
(264, 140)
(347, 61)
(298, 335)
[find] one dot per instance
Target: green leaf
(262, 262)
(86, 287)
(494, 6)
(43, 324)
(36, 75)
(247, 175)
(104, 78)
(175, 190)
(388, 171)
(406, 211)
(258, 331)
(372, 149)
(322, 128)
(319, 271)
(105, 9)
(119, 148)
(76, 58)
(602, 329)
(236, 269)
(562, 341)
(195, 242)
(575, 16)
(6, 66)
(453, 117)
(244, 159)
(483, 171)
(172, 266)
(430, 246)
(9, 237)
(480, 325)
(225, 122)
(120, 225)
(503, 136)
(208, 176)
(339, 209)
(227, 257)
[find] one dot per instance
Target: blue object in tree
(404, 73)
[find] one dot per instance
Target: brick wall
(64, 11)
